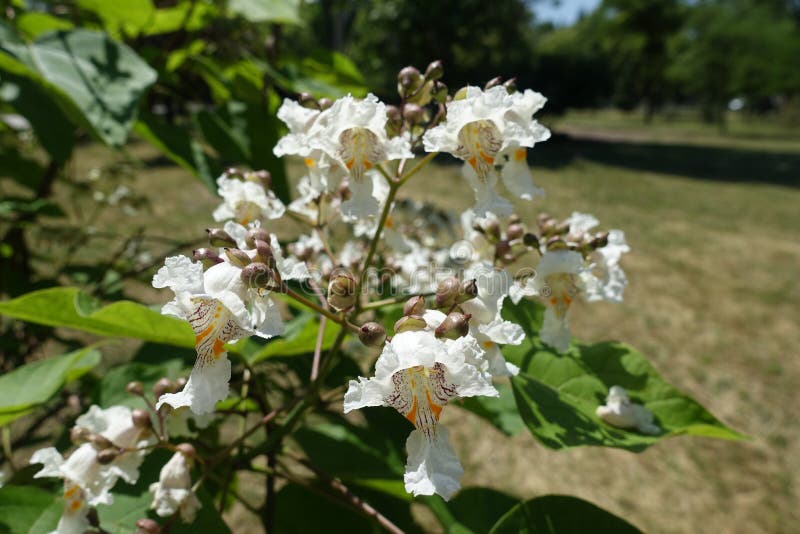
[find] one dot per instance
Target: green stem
(319, 309)
(418, 167)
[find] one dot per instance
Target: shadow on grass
(693, 161)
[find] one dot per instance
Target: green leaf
(299, 338)
(120, 19)
(281, 11)
(33, 24)
(33, 384)
(66, 307)
(189, 15)
(557, 394)
(472, 510)
(26, 172)
(229, 146)
(111, 388)
(29, 510)
(178, 145)
(560, 514)
(10, 206)
(499, 411)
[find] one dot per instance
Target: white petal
(555, 332)
(51, 461)
(362, 204)
(466, 366)
(432, 466)
(207, 385)
(179, 273)
(503, 332)
(289, 267)
(486, 198)
(365, 392)
(581, 222)
(267, 319)
(519, 181)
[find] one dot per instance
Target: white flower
(367, 197)
(173, 491)
(485, 127)
(417, 374)
(82, 468)
(75, 517)
(611, 279)
(352, 132)
(301, 122)
(619, 411)
(178, 422)
(246, 201)
(560, 278)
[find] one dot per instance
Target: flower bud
(187, 449)
(530, 240)
(492, 228)
(262, 176)
(408, 80)
(447, 292)
(135, 388)
(514, 219)
(414, 306)
(256, 275)
(106, 456)
(493, 82)
(325, 103)
(207, 256)
(233, 173)
(461, 94)
(147, 526)
(395, 122)
(254, 234)
(511, 85)
(502, 250)
(556, 243)
(600, 240)
(469, 290)
(264, 252)
(435, 70)
(372, 334)
(514, 231)
(180, 382)
(164, 385)
(454, 326)
(79, 434)
(237, 257)
(413, 113)
(307, 101)
(548, 226)
(342, 291)
(141, 419)
(101, 442)
(220, 238)
(410, 323)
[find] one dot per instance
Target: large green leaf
(122, 18)
(33, 24)
(560, 514)
(281, 11)
(29, 510)
(189, 15)
(111, 388)
(33, 384)
(499, 411)
(299, 338)
(68, 307)
(557, 394)
(471, 511)
(96, 81)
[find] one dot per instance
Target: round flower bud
(600, 240)
(497, 80)
(408, 80)
(530, 240)
(181, 382)
(410, 323)
(79, 434)
(101, 442)
(492, 228)
(135, 388)
(187, 449)
(469, 290)
(413, 113)
(307, 101)
(106, 456)
(237, 257)
(264, 252)
(447, 292)
(548, 227)
(233, 173)
(147, 526)
(414, 306)
(256, 275)
(435, 70)
(325, 103)
(262, 176)
(393, 113)
(511, 85)
(220, 238)
(141, 419)
(556, 243)
(342, 291)
(164, 385)
(372, 334)
(207, 256)
(254, 234)
(514, 231)
(514, 219)
(454, 326)
(502, 250)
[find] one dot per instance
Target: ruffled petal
(207, 385)
(432, 465)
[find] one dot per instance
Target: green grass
(713, 300)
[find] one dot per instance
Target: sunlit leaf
(499, 411)
(300, 338)
(29, 510)
(62, 306)
(282, 11)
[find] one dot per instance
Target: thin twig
(323, 321)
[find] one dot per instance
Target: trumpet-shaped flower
(619, 411)
(173, 491)
(245, 201)
(87, 480)
(487, 128)
(417, 374)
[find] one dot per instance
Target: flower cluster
(452, 273)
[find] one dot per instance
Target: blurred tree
(737, 48)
